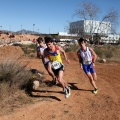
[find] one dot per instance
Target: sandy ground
(82, 104)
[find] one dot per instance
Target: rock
(35, 84)
(41, 75)
(104, 60)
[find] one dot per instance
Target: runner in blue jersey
(87, 58)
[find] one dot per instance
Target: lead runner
(52, 52)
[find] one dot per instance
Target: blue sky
(49, 16)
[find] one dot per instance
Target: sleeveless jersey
(42, 49)
(55, 59)
(86, 56)
(53, 56)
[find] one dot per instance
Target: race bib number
(56, 65)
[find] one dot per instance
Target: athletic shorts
(46, 64)
(57, 71)
(88, 68)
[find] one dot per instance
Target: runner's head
(48, 39)
(49, 42)
(81, 41)
(40, 40)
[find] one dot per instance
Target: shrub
(33, 46)
(109, 51)
(14, 78)
(14, 73)
(106, 51)
(99, 51)
(108, 54)
(28, 49)
(72, 48)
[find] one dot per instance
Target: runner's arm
(39, 52)
(64, 54)
(79, 58)
(94, 54)
(45, 56)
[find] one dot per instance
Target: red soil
(82, 104)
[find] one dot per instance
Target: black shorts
(57, 71)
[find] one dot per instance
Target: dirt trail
(82, 104)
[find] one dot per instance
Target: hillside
(4, 38)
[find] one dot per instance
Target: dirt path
(82, 104)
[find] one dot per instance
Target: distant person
(47, 65)
(87, 58)
(34, 40)
(52, 52)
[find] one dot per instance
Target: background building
(90, 27)
(110, 38)
(94, 28)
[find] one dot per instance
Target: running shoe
(95, 91)
(67, 92)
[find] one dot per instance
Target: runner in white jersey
(85, 56)
(47, 65)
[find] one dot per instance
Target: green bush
(33, 46)
(108, 54)
(72, 48)
(106, 51)
(99, 51)
(27, 49)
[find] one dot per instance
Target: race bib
(87, 62)
(56, 65)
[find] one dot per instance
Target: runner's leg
(49, 70)
(60, 79)
(94, 75)
(91, 80)
(66, 89)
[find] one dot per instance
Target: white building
(90, 26)
(66, 34)
(110, 38)
(93, 27)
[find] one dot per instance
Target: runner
(87, 58)
(52, 52)
(47, 65)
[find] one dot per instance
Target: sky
(46, 16)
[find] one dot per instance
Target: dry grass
(15, 79)
(108, 52)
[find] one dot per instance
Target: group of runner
(51, 58)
